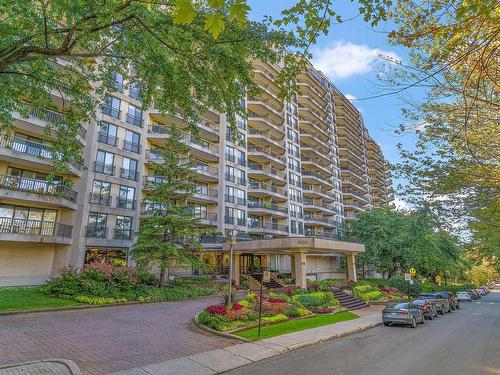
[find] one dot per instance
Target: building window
(107, 134)
(230, 154)
(97, 225)
(123, 228)
(126, 197)
(105, 162)
(129, 169)
(241, 177)
(27, 220)
(229, 195)
(112, 106)
(230, 174)
(135, 90)
(117, 81)
(132, 141)
(134, 115)
(117, 257)
(101, 193)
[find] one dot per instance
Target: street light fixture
(231, 241)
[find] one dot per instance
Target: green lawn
(12, 299)
(296, 325)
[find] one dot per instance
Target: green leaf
(214, 23)
(239, 12)
(217, 4)
(184, 12)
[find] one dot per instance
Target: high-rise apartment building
(295, 168)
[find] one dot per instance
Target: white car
(463, 296)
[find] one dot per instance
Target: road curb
(70, 365)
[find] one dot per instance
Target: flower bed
(368, 292)
(295, 303)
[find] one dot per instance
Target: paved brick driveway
(108, 339)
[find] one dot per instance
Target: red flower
(276, 300)
(237, 307)
(217, 309)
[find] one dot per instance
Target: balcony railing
(34, 227)
(268, 226)
(262, 186)
(206, 169)
(266, 152)
(209, 193)
(267, 206)
(312, 202)
(203, 215)
(134, 120)
(111, 111)
(122, 234)
(328, 235)
(107, 139)
(235, 221)
(129, 204)
(43, 187)
(101, 199)
(266, 169)
(129, 174)
(317, 175)
(108, 169)
(235, 200)
(158, 129)
(200, 142)
(310, 217)
(132, 146)
(96, 231)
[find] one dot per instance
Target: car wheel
(413, 323)
(423, 320)
(431, 317)
(386, 324)
(458, 306)
(441, 311)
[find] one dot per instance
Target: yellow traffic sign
(413, 272)
(438, 279)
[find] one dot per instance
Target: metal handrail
(18, 183)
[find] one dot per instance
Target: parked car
(486, 289)
(464, 296)
(427, 307)
(454, 303)
(405, 313)
(473, 294)
(480, 292)
(441, 302)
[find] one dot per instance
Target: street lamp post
(232, 242)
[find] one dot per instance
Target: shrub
(147, 278)
(370, 296)
(216, 322)
(401, 284)
(275, 318)
(322, 310)
(91, 300)
(217, 309)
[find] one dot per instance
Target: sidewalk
(44, 367)
(231, 357)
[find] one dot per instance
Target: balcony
(264, 155)
(157, 131)
(265, 123)
(353, 193)
(267, 228)
(235, 200)
(316, 178)
(265, 139)
(205, 195)
(100, 199)
(204, 217)
(154, 156)
(261, 189)
(107, 139)
(265, 171)
(267, 208)
(134, 120)
(129, 174)
(201, 148)
(318, 205)
(266, 108)
(112, 112)
(231, 220)
(132, 146)
(318, 192)
(315, 164)
(320, 220)
(24, 230)
(36, 153)
(108, 169)
(319, 234)
(206, 172)
(51, 193)
(316, 154)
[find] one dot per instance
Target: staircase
(254, 283)
(348, 301)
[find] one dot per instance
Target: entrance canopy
(290, 245)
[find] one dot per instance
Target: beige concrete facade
(283, 179)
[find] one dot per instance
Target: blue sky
(349, 55)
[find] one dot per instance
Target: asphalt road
(465, 342)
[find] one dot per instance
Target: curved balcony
(263, 155)
(320, 234)
(41, 191)
(317, 192)
(314, 164)
(258, 188)
(320, 220)
(316, 178)
(265, 108)
(267, 208)
(318, 205)
(267, 228)
(314, 153)
(265, 139)
(265, 123)
(39, 231)
(264, 171)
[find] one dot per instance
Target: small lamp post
(231, 241)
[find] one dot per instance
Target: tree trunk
(162, 277)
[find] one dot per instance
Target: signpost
(413, 272)
(438, 279)
(408, 278)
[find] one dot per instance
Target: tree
(482, 274)
(170, 233)
(454, 57)
(396, 241)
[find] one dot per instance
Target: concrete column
(300, 269)
(236, 268)
(351, 268)
(292, 266)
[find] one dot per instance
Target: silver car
(405, 313)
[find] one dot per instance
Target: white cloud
(350, 97)
(345, 59)
(401, 204)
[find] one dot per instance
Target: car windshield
(403, 306)
(419, 302)
(429, 295)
